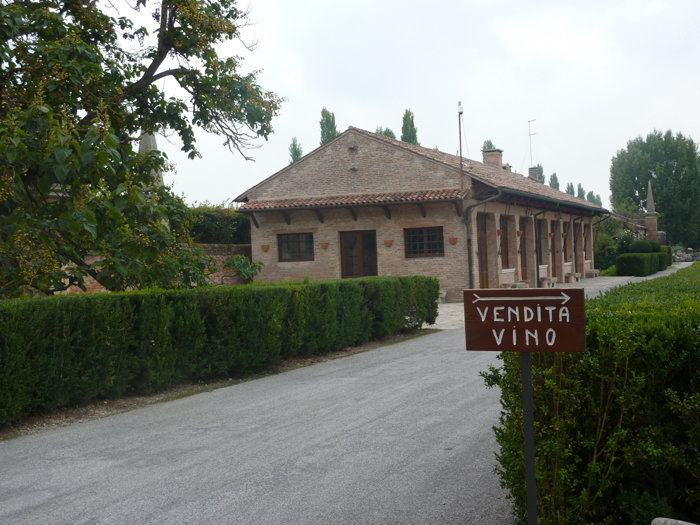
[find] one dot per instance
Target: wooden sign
(525, 320)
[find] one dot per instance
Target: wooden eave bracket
(255, 221)
(387, 211)
(319, 214)
(286, 216)
(458, 208)
(422, 209)
(353, 213)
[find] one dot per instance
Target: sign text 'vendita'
(537, 320)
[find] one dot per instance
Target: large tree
(488, 145)
(78, 88)
(328, 129)
(580, 192)
(409, 132)
(295, 151)
(672, 164)
(554, 181)
(540, 174)
(386, 132)
(570, 188)
(595, 199)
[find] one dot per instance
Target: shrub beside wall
(638, 264)
(67, 350)
(617, 428)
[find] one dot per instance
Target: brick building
(364, 204)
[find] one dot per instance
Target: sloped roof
(357, 200)
(493, 176)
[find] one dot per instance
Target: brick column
(579, 250)
(529, 243)
(651, 223)
(493, 242)
(558, 249)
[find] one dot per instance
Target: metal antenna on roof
(460, 111)
(531, 134)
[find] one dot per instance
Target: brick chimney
(493, 157)
(534, 174)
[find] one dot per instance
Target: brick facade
(337, 188)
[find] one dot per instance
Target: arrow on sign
(564, 298)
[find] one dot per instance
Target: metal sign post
(526, 320)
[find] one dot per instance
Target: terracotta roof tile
(492, 175)
(356, 200)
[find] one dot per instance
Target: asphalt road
(401, 434)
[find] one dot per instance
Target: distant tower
(146, 144)
(651, 217)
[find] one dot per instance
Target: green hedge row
(638, 264)
(617, 427)
(62, 351)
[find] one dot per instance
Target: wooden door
(523, 249)
(481, 247)
(358, 254)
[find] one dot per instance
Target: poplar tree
(386, 132)
(328, 129)
(409, 132)
(580, 192)
(554, 181)
(295, 151)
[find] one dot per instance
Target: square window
(424, 242)
(295, 247)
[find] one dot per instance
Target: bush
(66, 350)
(638, 264)
(669, 255)
(609, 272)
(624, 243)
(663, 261)
(655, 246)
(219, 225)
(641, 246)
(617, 429)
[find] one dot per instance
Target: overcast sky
(591, 74)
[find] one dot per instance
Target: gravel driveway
(401, 434)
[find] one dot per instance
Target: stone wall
(218, 252)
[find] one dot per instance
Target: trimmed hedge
(669, 255)
(67, 350)
(639, 264)
(617, 428)
(655, 246)
(641, 246)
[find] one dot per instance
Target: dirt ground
(107, 407)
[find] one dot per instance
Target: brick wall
(370, 166)
(219, 252)
(451, 269)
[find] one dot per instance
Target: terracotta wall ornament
(389, 243)
(324, 245)
(265, 247)
(453, 240)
